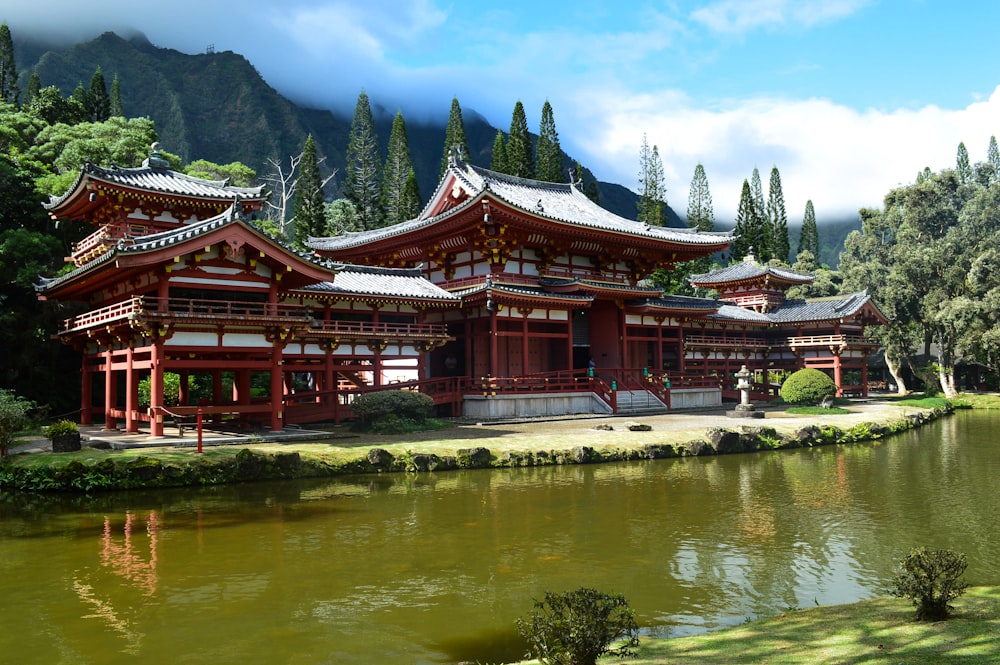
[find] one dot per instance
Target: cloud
(839, 158)
(740, 16)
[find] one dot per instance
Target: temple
(504, 297)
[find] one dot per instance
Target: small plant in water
(930, 578)
(577, 627)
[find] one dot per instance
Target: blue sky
(848, 98)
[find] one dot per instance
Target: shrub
(392, 404)
(577, 627)
(61, 428)
(807, 386)
(14, 416)
(929, 578)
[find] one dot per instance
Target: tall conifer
(9, 92)
(777, 217)
(498, 160)
(962, 166)
(310, 210)
(454, 136)
(519, 160)
(809, 239)
(116, 110)
(760, 232)
(745, 232)
(100, 102)
(548, 154)
(652, 189)
(400, 200)
(34, 85)
(993, 157)
(700, 214)
(363, 178)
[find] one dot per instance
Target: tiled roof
(819, 309)
(523, 291)
(163, 180)
(671, 301)
(396, 282)
(558, 202)
(742, 314)
(748, 270)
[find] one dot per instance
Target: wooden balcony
(836, 341)
(722, 341)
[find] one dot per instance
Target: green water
(436, 568)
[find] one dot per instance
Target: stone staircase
(637, 402)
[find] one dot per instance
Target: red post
(199, 430)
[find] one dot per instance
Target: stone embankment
(564, 441)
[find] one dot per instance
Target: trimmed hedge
(807, 386)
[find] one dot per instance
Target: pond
(436, 568)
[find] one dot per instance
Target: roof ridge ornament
(155, 159)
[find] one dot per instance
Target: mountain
(216, 106)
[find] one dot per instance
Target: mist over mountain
(217, 106)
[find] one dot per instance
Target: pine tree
(519, 160)
(498, 161)
(310, 210)
(115, 110)
(962, 165)
(652, 189)
(100, 102)
(79, 100)
(700, 214)
(777, 218)
(9, 92)
(548, 154)
(809, 240)
(745, 226)
(400, 202)
(454, 136)
(993, 157)
(361, 184)
(34, 85)
(760, 226)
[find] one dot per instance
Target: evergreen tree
(454, 136)
(548, 154)
(700, 214)
(34, 85)
(962, 166)
(652, 189)
(777, 218)
(9, 92)
(590, 189)
(100, 102)
(745, 226)
(400, 202)
(993, 157)
(498, 161)
(341, 218)
(361, 184)
(310, 210)
(761, 232)
(115, 109)
(809, 239)
(519, 160)
(81, 101)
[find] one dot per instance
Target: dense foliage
(392, 404)
(15, 414)
(807, 386)
(577, 627)
(930, 578)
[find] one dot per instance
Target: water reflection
(437, 567)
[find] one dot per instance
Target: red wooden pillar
(131, 392)
(569, 338)
(494, 351)
(156, 387)
(110, 423)
(837, 374)
(86, 393)
(864, 376)
(524, 345)
(622, 343)
(681, 353)
(277, 387)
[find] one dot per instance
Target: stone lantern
(744, 409)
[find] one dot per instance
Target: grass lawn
(871, 631)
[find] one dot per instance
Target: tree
(777, 218)
(809, 238)
(548, 154)
(97, 95)
(310, 212)
(745, 230)
(930, 578)
(50, 106)
(760, 223)
(235, 173)
(577, 627)
(341, 218)
(993, 157)
(498, 159)
(652, 189)
(363, 178)
(284, 185)
(454, 136)
(700, 214)
(400, 198)
(9, 92)
(962, 164)
(590, 188)
(519, 161)
(115, 99)
(34, 85)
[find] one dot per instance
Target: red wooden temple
(504, 297)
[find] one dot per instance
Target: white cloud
(840, 158)
(739, 16)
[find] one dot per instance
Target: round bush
(399, 404)
(807, 386)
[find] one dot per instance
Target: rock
(424, 462)
(474, 458)
(582, 454)
(658, 451)
(604, 427)
(380, 458)
(638, 427)
(724, 440)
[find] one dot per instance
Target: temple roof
(563, 203)
(749, 270)
(802, 311)
(675, 302)
(153, 177)
(390, 282)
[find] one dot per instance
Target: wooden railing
(99, 317)
(722, 340)
(827, 340)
